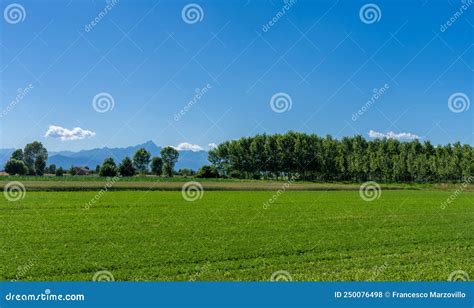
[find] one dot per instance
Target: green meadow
(404, 235)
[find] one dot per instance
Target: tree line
(141, 163)
(318, 158)
(33, 158)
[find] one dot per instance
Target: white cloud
(188, 147)
(392, 135)
(65, 134)
(212, 145)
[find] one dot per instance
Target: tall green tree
(169, 156)
(35, 157)
(52, 169)
(141, 160)
(126, 167)
(157, 165)
(108, 168)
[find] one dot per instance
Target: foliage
(207, 172)
(109, 168)
(14, 166)
(51, 169)
(186, 172)
(72, 170)
(59, 171)
(315, 158)
(18, 155)
(35, 157)
(157, 165)
(126, 167)
(169, 156)
(141, 160)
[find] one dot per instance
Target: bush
(207, 172)
(51, 169)
(59, 171)
(14, 166)
(186, 172)
(126, 167)
(157, 165)
(109, 168)
(235, 174)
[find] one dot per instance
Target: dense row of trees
(141, 164)
(349, 159)
(283, 155)
(32, 161)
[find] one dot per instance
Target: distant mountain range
(94, 157)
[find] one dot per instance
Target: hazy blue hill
(4, 156)
(94, 157)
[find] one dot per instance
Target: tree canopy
(141, 160)
(169, 155)
(108, 168)
(126, 167)
(349, 159)
(157, 165)
(35, 157)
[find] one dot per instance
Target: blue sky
(323, 56)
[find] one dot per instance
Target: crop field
(94, 183)
(231, 236)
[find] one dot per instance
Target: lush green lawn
(156, 235)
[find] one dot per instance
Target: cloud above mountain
(65, 134)
(392, 135)
(185, 146)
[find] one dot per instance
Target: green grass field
(228, 235)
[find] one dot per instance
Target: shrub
(186, 172)
(157, 165)
(14, 166)
(207, 172)
(109, 168)
(59, 171)
(126, 167)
